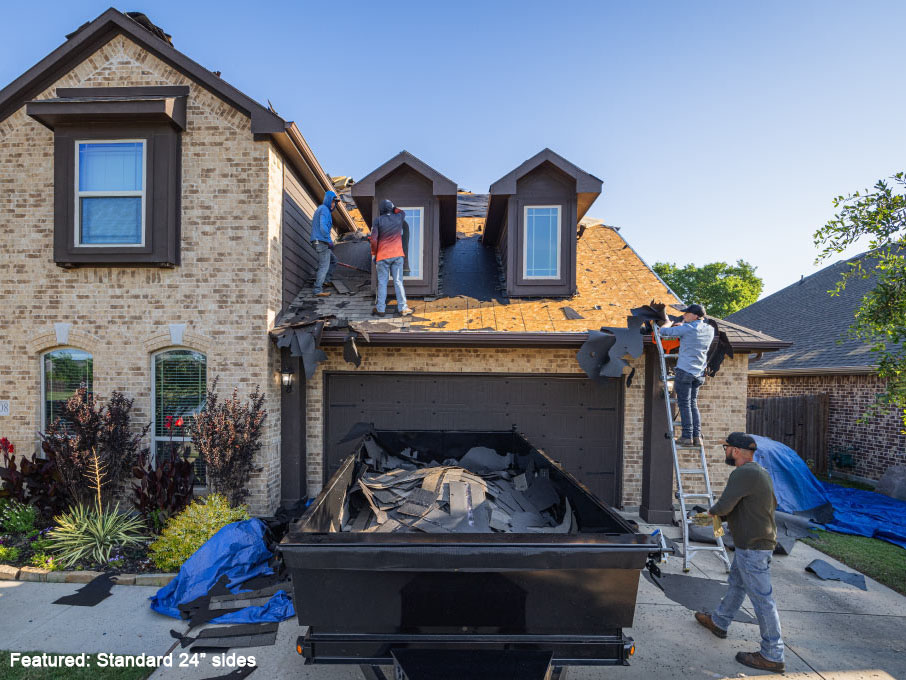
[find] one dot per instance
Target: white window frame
(525, 243)
(77, 232)
(421, 211)
(44, 379)
(154, 438)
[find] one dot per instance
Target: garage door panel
(577, 422)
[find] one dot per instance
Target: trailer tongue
(406, 596)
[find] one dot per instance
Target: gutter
(829, 370)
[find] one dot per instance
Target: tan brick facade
(875, 446)
(722, 400)
(226, 291)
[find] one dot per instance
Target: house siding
(875, 445)
(226, 291)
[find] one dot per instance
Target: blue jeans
(686, 386)
(751, 575)
(385, 268)
(327, 261)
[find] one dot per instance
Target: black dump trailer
(443, 599)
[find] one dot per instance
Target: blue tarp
(863, 513)
(239, 552)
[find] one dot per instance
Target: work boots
(707, 622)
(756, 660)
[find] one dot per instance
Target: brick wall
(877, 444)
(722, 400)
(226, 292)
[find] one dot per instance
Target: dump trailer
(450, 601)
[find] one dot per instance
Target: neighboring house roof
(611, 280)
(90, 37)
(815, 322)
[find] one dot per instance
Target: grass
(848, 483)
(90, 672)
(877, 559)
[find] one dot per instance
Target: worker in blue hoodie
(321, 225)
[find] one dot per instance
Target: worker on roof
(695, 338)
(322, 240)
(389, 242)
(748, 504)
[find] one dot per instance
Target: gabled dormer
(429, 200)
(532, 219)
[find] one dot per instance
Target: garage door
(575, 420)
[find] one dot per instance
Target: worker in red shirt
(389, 242)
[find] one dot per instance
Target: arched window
(179, 379)
(63, 371)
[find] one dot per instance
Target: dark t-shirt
(748, 505)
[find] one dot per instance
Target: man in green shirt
(748, 505)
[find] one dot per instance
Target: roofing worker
(748, 505)
(321, 226)
(389, 242)
(695, 338)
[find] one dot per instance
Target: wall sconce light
(286, 377)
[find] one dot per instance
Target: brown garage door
(576, 421)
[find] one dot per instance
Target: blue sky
(721, 130)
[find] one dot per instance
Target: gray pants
(327, 261)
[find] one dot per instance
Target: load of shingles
(483, 492)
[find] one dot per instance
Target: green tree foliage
(878, 214)
(722, 288)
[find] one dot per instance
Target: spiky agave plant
(90, 534)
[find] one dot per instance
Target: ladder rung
(692, 471)
(671, 356)
(710, 548)
(696, 495)
(693, 447)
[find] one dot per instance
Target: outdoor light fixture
(286, 377)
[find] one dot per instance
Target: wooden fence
(798, 422)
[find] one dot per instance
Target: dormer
(429, 200)
(532, 219)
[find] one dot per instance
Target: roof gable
(441, 185)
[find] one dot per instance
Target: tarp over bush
(239, 552)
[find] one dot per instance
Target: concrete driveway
(832, 630)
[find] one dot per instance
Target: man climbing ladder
(695, 338)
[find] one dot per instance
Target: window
(541, 250)
(415, 220)
(63, 371)
(109, 193)
(179, 386)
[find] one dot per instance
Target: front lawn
(877, 559)
(90, 672)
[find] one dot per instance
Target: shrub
(189, 530)
(8, 554)
(163, 490)
(17, 518)
(90, 534)
(34, 481)
(44, 561)
(89, 430)
(227, 436)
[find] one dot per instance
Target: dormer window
(415, 218)
(110, 193)
(541, 259)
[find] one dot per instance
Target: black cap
(696, 309)
(741, 441)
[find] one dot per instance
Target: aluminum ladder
(701, 471)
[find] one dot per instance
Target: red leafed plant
(227, 436)
(31, 480)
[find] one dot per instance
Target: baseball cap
(696, 309)
(740, 440)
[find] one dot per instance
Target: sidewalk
(832, 630)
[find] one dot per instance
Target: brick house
(823, 359)
(155, 234)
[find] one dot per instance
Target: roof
(815, 322)
(90, 37)
(611, 280)
(588, 188)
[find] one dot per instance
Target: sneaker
(756, 660)
(683, 441)
(698, 441)
(406, 312)
(375, 312)
(705, 620)
(323, 293)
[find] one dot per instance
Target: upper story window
(110, 193)
(541, 256)
(415, 218)
(179, 380)
(63, 371)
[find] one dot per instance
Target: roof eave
(820, 370)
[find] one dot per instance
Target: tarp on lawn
(796, 489)
(866, 513)
(239, 552)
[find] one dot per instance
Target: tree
(720, 287)
(878, 213)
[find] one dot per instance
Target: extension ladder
(701, 471)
